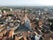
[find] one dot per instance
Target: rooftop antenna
(39, 12)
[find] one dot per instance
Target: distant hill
(50, 7)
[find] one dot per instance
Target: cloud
(27, 2)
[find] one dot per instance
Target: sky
(26, 2)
